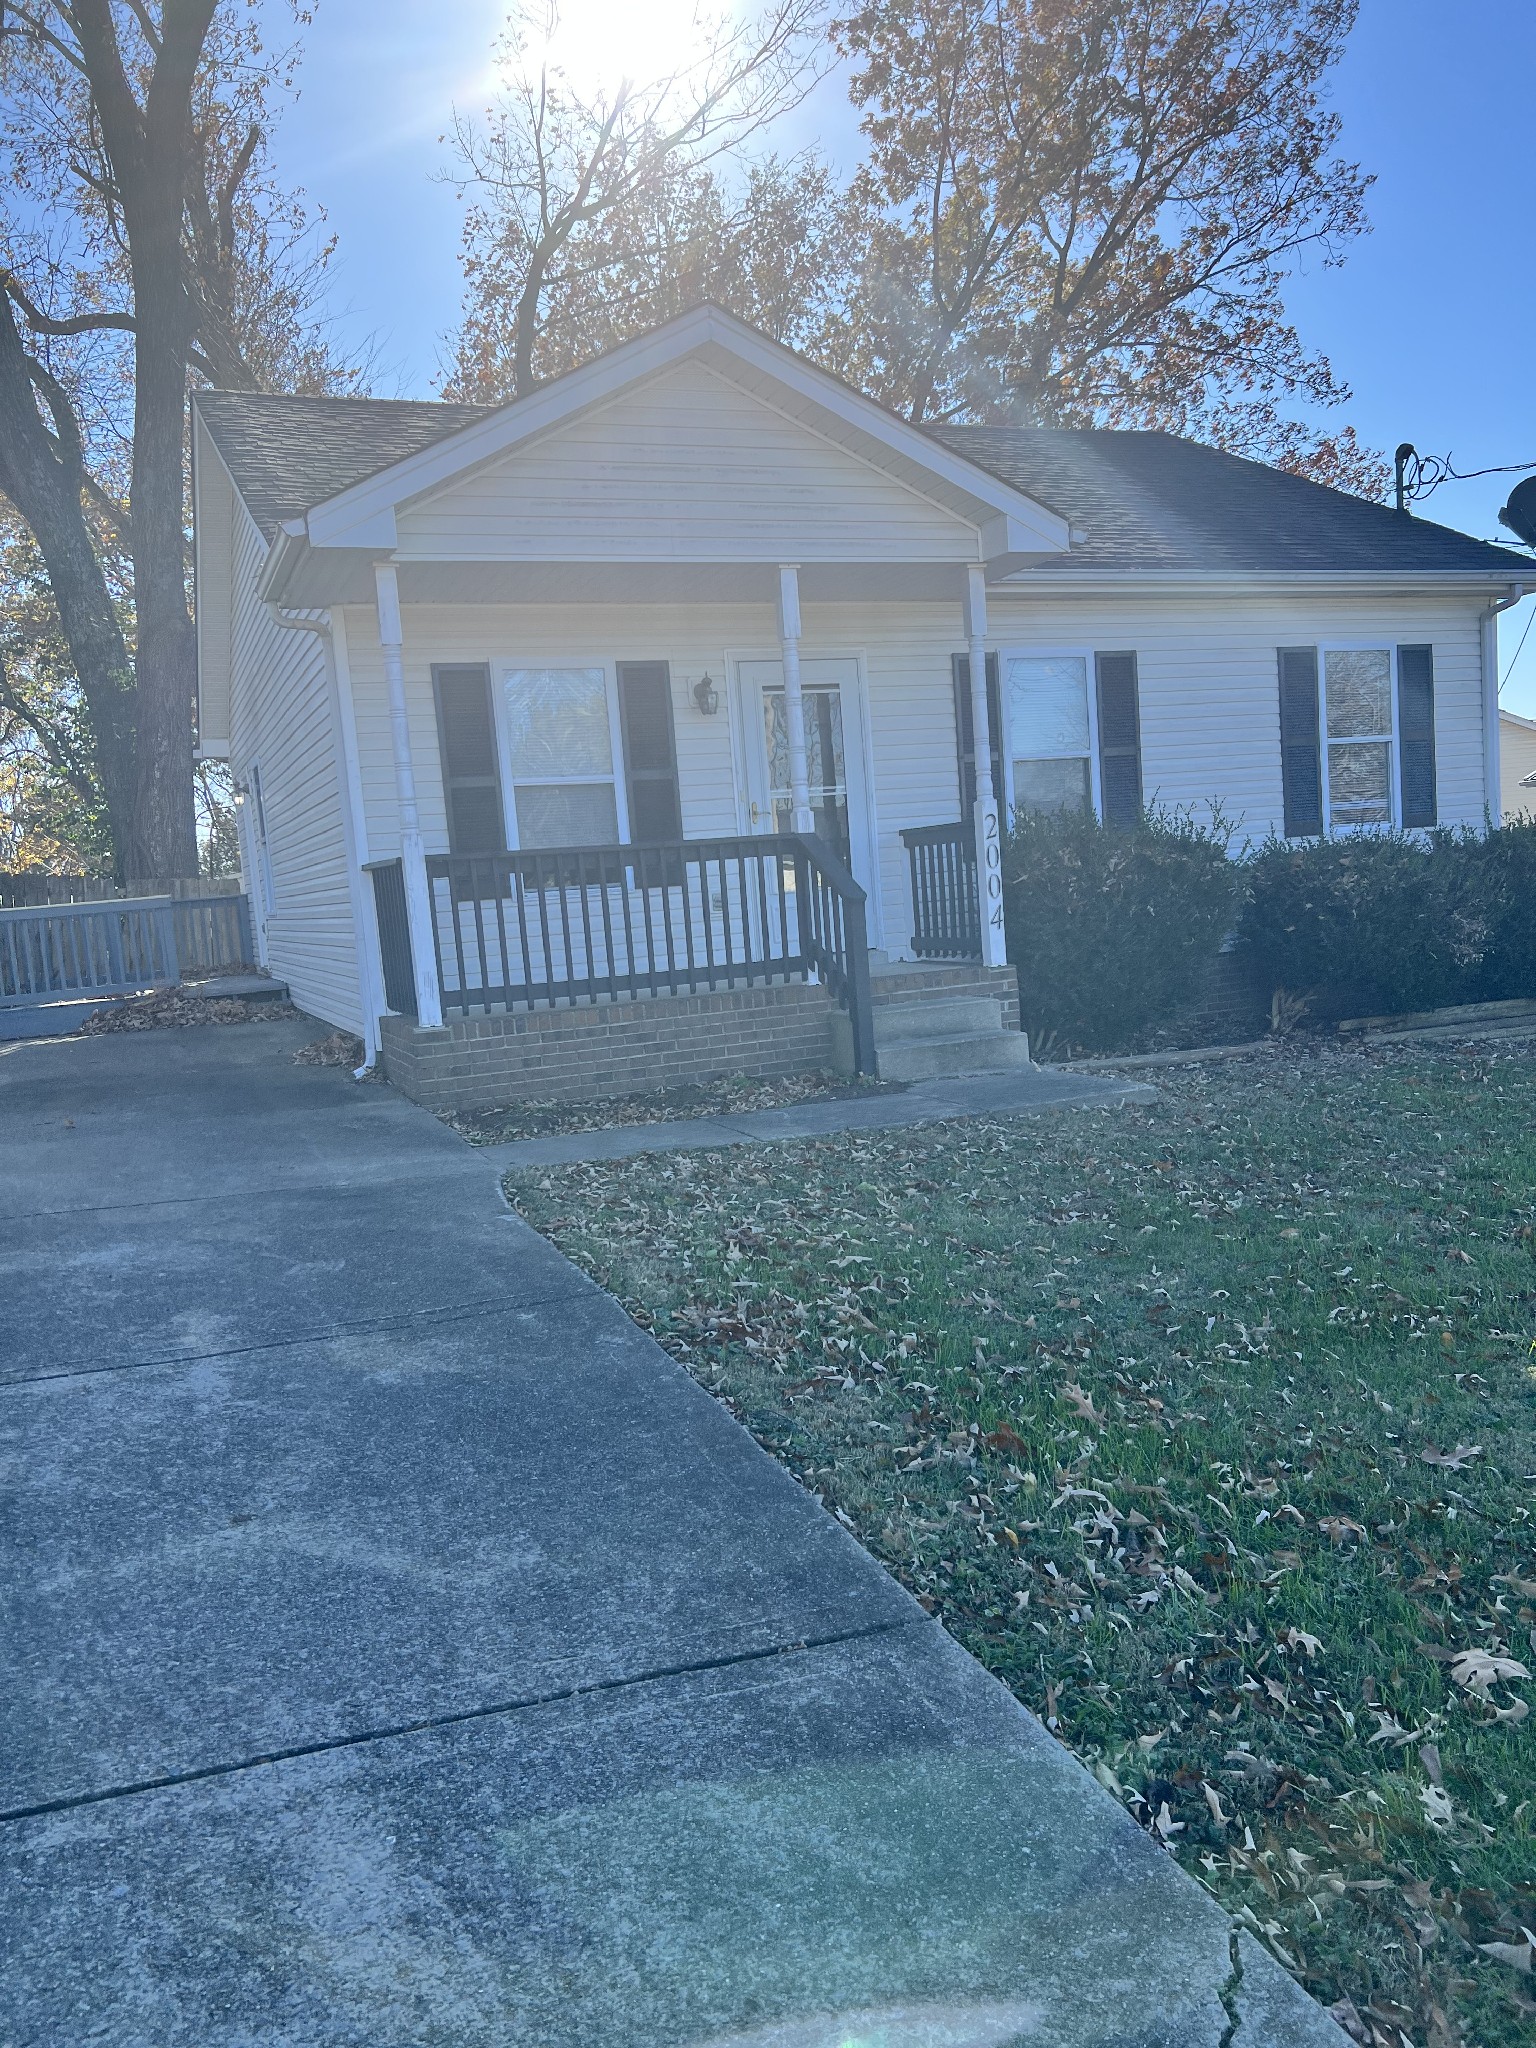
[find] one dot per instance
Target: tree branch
(79, 323)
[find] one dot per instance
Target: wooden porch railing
(587, 924)
(946, 910)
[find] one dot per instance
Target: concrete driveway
(400, 1650)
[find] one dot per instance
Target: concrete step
(967, 1052)
(936, 1017)
(247, 988)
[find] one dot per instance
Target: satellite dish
(1519, 515)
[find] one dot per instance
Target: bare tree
(555, 172)
(145, 243)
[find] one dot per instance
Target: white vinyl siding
(686, 468)
(283, 720)
(1209, 695)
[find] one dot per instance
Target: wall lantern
(706, 696)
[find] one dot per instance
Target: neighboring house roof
(1152, 501)
(286, 454)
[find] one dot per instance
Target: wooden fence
(22, 889)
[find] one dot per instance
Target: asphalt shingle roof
(286, 454)
(1141, 501)
(1152, 501)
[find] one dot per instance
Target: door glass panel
(826, 765)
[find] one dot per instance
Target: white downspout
(985, 814)
(323, 628)
(1488, 630)
(413, 856)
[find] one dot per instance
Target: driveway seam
(368, 1736)
(320, 1335)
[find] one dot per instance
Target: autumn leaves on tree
(1069, 212)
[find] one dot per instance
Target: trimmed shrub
(1112, 931)
(1381, 923)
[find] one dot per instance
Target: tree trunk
(46, 493)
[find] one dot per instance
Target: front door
(834, 747)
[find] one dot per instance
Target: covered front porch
(665, 685)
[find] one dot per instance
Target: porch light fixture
(706, 696)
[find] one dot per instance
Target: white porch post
(802, 817)
(987, 810)
(413, 857)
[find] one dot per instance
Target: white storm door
(834, 744)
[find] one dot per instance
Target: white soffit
(1010, 523)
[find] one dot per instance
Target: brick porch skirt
(618, 1048)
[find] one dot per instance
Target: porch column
(413, 856)
(987, 809)
(802, 817)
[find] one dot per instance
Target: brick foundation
(610, 1048)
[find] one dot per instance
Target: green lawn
(1206, 1424)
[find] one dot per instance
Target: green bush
(1380, 923)
(1112, 931)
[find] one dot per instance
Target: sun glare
(599, 42)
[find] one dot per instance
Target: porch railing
(587, 924)
(53, 952)
(946, 911)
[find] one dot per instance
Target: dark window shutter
(965, 736)
(1119, 738)
(466, 737)
(1301, 768)
(650, 750)
(1416, 733)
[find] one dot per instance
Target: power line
(1520, 649)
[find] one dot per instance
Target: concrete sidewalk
(1027, 1091)
(401, 1651)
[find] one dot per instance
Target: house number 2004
(992, 856)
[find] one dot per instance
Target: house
(1517, 766)
(628, 731)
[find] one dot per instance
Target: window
(466, 738)
(1074, 734)
(1357, 738)
(560, 749)
(1049, 732)
(1357, 718)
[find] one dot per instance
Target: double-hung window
(562, 745)
(1074, 734)
(1357, 737)
(1358, 722)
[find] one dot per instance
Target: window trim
(1088, 657)
(506, 666)
(1327, 741)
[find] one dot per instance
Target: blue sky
(1430, 320)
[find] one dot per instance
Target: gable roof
(1151, 501)
(287, 454)
(1136, 502)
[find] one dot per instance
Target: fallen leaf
(1517, 1954)
(1453, 1461)
(1337, 1527)
(1478, 1669)
(1082, 1401)
(1437, 1806)
(1213, 1801)
(1298, 1639)
(1165, 1823)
